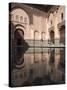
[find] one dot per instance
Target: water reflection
(40, 66)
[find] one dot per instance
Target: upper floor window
(25, 19)
(17, 17)
(21, 18)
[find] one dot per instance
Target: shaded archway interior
(62, 34)
(19, 36)
(52, 36)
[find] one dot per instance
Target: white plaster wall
(39, 24)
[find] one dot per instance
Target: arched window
(25, 19)
(36, 35)
(21, 18)
(17, 17)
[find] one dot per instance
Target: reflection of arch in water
(36, 57)
(18, 77)
(43, 56)
(52, 56)
(19, 61)
(62, 57)
(19, 37)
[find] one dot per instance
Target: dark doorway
(52, 36)
(19, 36)
(62, 34)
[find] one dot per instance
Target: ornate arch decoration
(27, 9)
(19, 25)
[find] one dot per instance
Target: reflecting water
(39, 66)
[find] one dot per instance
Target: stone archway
(20, 19)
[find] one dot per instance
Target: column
(56, 30)
(47, 36)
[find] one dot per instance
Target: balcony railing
(41, 43)
(45, 43)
